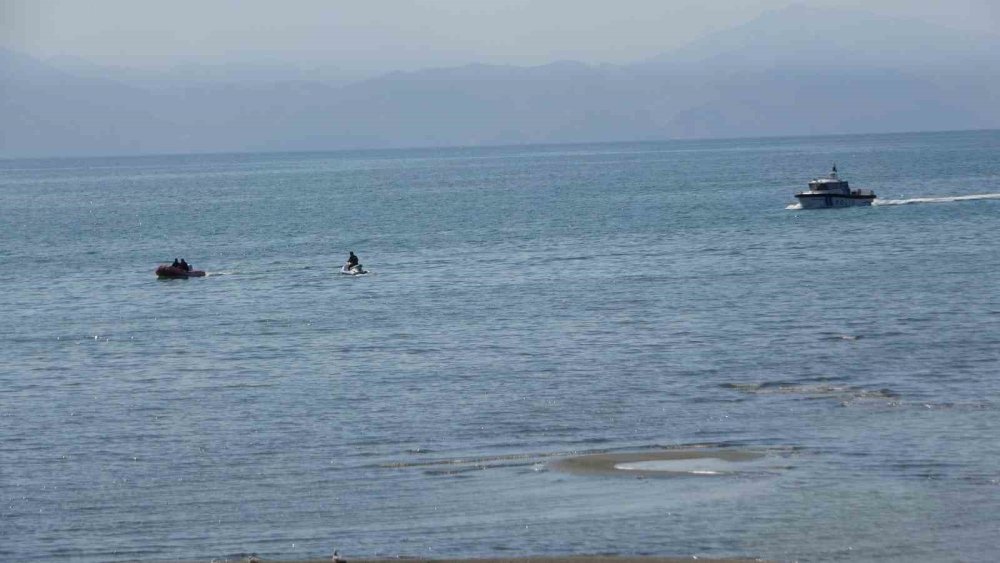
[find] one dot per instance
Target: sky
(371, 36)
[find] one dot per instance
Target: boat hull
(170, 272)
(827, 201)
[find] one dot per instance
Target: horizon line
(486, 146)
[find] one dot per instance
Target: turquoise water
(524, 304)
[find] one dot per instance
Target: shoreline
(525, 559)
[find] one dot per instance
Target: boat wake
(947, 199)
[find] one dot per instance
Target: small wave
(843, 337)
(572, 258)
(812, 390)
(946, 199)
(964, 405)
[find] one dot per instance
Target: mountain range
(796, 71)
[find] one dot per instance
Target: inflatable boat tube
(166, 271)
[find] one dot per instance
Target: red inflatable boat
(172, 272)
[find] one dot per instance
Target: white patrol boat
(833, 192)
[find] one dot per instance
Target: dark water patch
(926, 470)
(372, 441)
(422, 351)
(708, 434)
(838, 337)
(822, 379)
(813, 391)
(235, 386)
(52, 369)
(512, 459)
(753, 388)
(590, 441)
(573, 258)
(21, 387)
(151, 380)
(460, 469)
(701, 400)
(456, 471)
(959, 406)
(992, 480)
(187, 368)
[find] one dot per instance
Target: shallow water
(524, 304)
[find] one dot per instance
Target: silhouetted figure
(185, 266)
(176, 264)
(352, 260)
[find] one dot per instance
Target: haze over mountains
(789, 72)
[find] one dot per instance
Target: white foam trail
(794, 206)
(947, 199)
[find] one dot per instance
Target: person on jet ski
(352, 260)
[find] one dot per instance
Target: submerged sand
(593, 464)
(609, 464)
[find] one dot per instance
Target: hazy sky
(382, 35)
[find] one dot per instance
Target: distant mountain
(794, 102)
(188, 73)
(802, 70)
(484, 104)
(48, 112)
(827, 38)
(788, 72)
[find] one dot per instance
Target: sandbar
(611, 463)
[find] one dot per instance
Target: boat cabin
(830, 184)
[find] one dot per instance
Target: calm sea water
(525, 303)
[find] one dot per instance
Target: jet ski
(355, 270)
(167, 271)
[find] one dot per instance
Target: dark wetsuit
(352, 261)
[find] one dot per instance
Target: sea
(524, 304)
